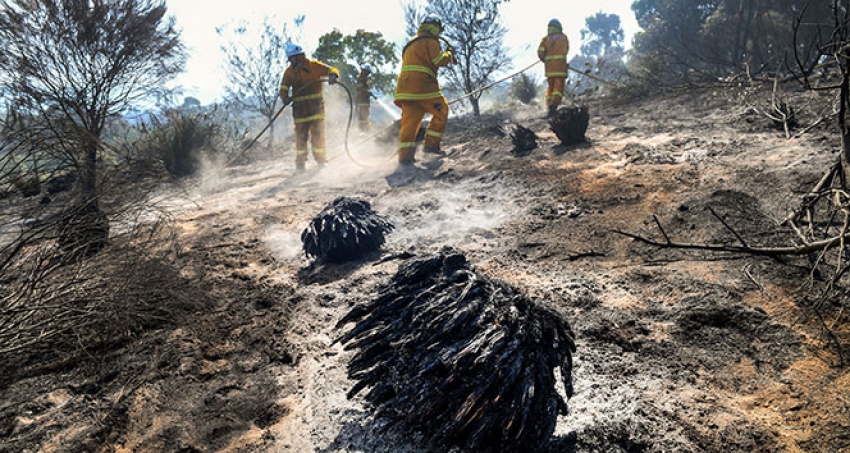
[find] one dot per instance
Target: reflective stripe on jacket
(307, 102)
(419, 62)
(553, 53)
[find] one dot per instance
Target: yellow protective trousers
(314, 131)
(412, 113)
(363, 116)
(555, 92)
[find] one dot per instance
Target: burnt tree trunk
(476, 107)
(842, 123)
(88, 170)
(84, 229)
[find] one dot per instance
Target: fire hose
(277, 114)
(465, 96)
(267, 126)
(351, 109)
(348, 126)
(486, 87)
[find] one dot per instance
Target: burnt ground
(677, 351)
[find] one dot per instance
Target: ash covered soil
(676, 351)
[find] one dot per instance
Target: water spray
(393, 112)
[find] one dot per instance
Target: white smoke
(437, 215)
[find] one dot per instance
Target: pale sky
(525, 20)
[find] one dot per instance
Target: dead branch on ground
(779, 110)
(821, 226)
(798, 250)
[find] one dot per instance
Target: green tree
(350, 52)
(716, 38)
(473, 29)
(601, 51)
(70, 65)
(254, 66)
(525, 87)
(602, 35)
(191, 103)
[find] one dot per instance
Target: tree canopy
(68, 66)
(602, 35)
(349, 53)
(602, 50)
(714, 38)
(80, 62)
(89, 59)
(254, 63)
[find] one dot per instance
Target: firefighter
(553, 53)
(363, 97)
(304, 76)
(417, 91)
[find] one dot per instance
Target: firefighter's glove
(372, 95)
(287, 100)
(332, 79)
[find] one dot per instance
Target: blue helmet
(366, 67)
(433, 19)
(555, 23)
(293, 49)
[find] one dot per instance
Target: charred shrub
(570, 124)
(464, 359)
(345, 230)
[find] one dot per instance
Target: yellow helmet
(433, 19)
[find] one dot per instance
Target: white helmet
(366, 67)
(293, 49)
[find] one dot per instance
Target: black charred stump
(570, 124)
(345, 230)
(464, 359)
(524, 140)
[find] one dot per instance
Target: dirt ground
(676, 351)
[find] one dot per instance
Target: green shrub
(178, 137)
(525, 88)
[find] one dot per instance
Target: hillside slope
(676, 351)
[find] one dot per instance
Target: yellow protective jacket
(362, 88)
(419, 62)
(553, 53)
(307, 102)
